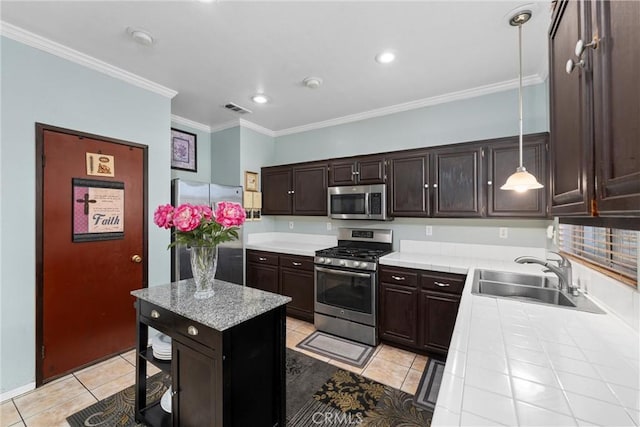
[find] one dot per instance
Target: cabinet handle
(297, 264)
(155, 314)
(435, 185)
(399, 278)
(581, 46)
(262, 259)
(293, 192)
(442, 285)
(173, 393)
(426, 186)
(489, 182)
(192, 330)
(571, 65)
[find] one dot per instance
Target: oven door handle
(342, 273)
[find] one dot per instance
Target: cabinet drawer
(443, 282)
(399, 276)
(156, 316)
(196, 332)
(262, 257)
(297, 262)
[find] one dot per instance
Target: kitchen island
(228, 355)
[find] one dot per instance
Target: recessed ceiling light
(260, 98)
(312, 82)
(140, 36)
(385, 57)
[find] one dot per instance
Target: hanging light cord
(520, 87)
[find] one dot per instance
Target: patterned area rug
(318, 395)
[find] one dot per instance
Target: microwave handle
(367, 203)
(342, 273)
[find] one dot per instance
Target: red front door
(86, 311)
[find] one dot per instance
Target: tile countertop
(515, 363)
(290, 243)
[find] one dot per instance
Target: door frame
(40, 162)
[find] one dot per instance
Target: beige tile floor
(50, 404)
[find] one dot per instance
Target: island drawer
(196, 332)
(443, 282)
(297, 262)
(262, 257)
(157, 317)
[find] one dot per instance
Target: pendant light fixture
(521, 180)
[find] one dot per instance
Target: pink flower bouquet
(199, 225)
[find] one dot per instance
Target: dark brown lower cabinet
(418, 308)
(290, 275)
(437, 318)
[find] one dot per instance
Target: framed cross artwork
(183, 150)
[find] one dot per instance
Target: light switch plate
(504, 232)
(428, 230)
(328, 226)
(290, 225)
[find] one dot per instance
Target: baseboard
(17, 391)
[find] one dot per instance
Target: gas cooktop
(357, 248)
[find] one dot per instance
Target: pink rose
(186, 217)
(229, 214)
(163, 216)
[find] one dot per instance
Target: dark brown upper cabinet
(363, 170)
(616, 103)
(295, 190)
(594, 108)
(409, 185)
(503, 158)
(457, 182)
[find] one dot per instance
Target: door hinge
(42, 352)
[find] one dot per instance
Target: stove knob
(327, 261)
(320, 260)
(356, 264)
(343, 262)
(363, 265)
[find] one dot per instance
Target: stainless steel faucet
(563, 270)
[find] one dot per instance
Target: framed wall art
(250, 181)
(183, 150)
(98, 210)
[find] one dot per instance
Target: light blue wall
(39, 87)
(225, 157)
(203, 156)
(483, 117)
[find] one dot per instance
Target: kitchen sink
(528, 288)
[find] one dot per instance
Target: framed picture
(251, 181)
(183, 151)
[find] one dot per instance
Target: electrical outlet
(504, 232)
(428, 230)
(328, 226)
(290, 225)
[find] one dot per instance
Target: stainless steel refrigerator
(230, 254)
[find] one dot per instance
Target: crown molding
(260, 129)
(413, 105)
(186, 122)
(226, 125)
(30, 39)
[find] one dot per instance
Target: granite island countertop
(230, 305)
(517, 363)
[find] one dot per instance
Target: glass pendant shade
(521, 181)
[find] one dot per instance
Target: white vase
(204, 262)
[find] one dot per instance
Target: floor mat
(429, 386)
(350, 352)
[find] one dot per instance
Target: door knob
(137, 259)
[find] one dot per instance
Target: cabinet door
(437, 318)
(263, 277)
(458, 190)
(298, 284)
(197, 379)
(371, 170)
(310, 189)
(616, 100)
(276, 191)
(571, 141)
(409, 185)
(342, 172)
(398, 313)
(503, 160)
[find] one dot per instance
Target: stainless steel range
(346, 295)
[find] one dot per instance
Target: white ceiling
(214, 53)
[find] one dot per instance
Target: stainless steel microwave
(358, 202)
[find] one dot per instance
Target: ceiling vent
(237, 109)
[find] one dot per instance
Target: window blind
(613, 249)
